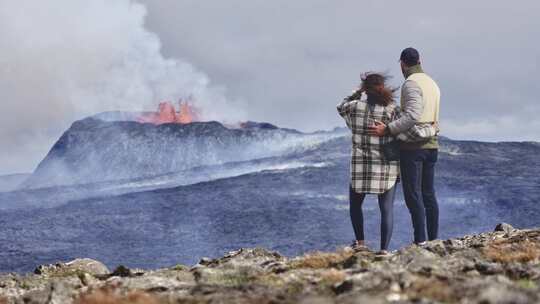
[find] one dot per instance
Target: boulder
(504, 227)
(85, 265)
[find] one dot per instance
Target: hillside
(95, 150)
(293, 202)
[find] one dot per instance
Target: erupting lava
(167, 114)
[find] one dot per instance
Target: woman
(370, 171)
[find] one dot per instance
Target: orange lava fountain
(167, 114)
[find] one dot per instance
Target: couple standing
(376, 122)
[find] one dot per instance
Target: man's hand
(379, 129)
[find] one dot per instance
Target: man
(420, 97)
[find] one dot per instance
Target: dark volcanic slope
(291, 210)
(93, 150)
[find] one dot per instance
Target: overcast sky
(285, 62)
(293, 60)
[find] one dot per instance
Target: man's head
(409, 57)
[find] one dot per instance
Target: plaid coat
(370, 172)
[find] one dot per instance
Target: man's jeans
(417, 176)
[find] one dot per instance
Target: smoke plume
(63, 60)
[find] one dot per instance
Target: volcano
(97, 150)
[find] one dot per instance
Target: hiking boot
(359, 246)
(421, 244)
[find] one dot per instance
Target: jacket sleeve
(411, 113)
(345, 108)
(396, 114)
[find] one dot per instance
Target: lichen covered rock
(498, 267)
(89, 266)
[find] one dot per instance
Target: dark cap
(410, 56)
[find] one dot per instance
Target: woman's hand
(356, 94)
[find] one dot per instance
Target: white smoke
(66, 59)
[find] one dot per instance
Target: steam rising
(63, 60)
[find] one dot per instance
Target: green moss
(236, 279)
(180, 267)
(364, 263)
(294, 288)
(68, 273)
(270, 280)
(230, 278)
(527, 284)
(25, 285)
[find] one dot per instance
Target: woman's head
(374, 84)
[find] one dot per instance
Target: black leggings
(386, 206)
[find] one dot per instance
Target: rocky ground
(498, 267)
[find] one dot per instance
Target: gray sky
(285, 62)
(293, 60)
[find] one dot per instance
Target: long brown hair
(374, 84)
